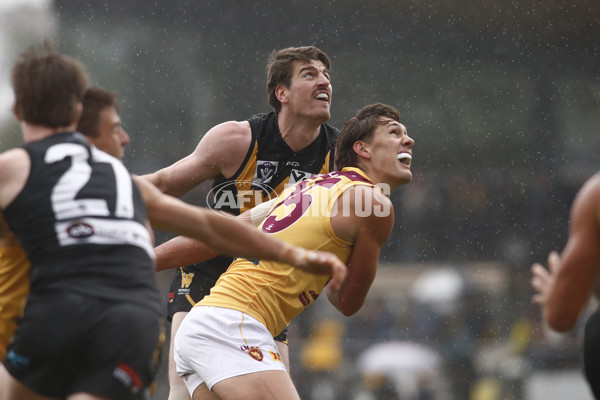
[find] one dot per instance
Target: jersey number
(64, 203)
(300, 201)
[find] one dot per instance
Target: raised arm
(230, 236)
(564, 289)
(220, 152)
(370, 233)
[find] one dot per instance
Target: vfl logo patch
(297, 176)
(80, 230)
(224, 195)
(264, 172)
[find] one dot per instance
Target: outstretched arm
(181, 250)
(227, 235)
(564, 289)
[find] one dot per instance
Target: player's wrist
(294, 255)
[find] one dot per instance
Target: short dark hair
(95, 100)
(48, 87)
(280, 68)
(360, 126)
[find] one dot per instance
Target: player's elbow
(349, 308)
(560, 322)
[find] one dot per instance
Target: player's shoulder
(591, 187)
(234, 128)
(12, 159)
(367, 195)
(14, 169)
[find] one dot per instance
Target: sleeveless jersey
(82, 222)
(269, 166)
(14, 287)
(275, 293)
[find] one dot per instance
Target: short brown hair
(360, 126)
(48, 87)
(280, 68)
(95, 100)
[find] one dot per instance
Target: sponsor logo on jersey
(275, 356)
(18, 361)
(232, 195)
(80, 230)
(128, 377)
(298, 176)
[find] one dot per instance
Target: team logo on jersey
(80, 230)
(238, 195)
(186, 279)
(297, 176)
(265, 170)
(255, 353)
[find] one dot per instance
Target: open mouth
(323, 97)
(404, 158)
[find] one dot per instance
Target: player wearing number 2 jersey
(91, 327)
(226, 341)
(101, 124)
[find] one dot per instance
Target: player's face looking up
(310, 90)
(389, 153)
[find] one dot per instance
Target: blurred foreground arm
(181, 250)
(564, 288)
(230, 236)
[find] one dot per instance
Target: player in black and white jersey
(91, 327)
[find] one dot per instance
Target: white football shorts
(214, 343)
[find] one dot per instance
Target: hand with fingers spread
(543, 279)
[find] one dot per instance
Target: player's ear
(15, 112)
(282, 94)
(78, 111)
(362, 149)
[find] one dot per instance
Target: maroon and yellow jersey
(274, 293)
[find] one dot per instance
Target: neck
(298, 132)
(32, 132)
(379, 180)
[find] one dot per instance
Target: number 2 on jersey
(64, 202)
